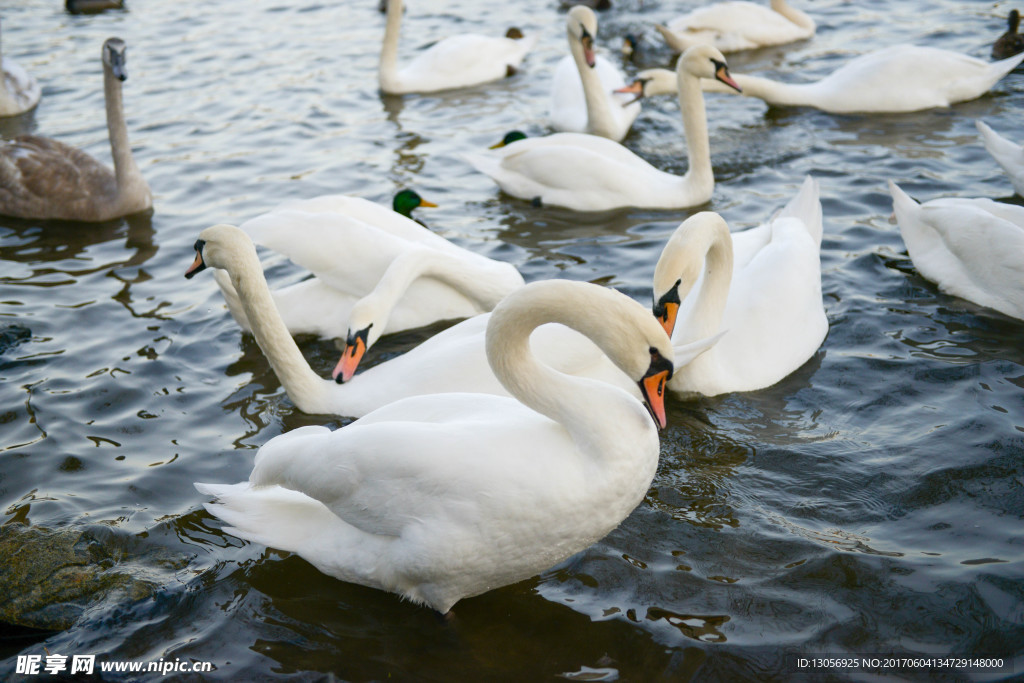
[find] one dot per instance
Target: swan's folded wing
(432, 457)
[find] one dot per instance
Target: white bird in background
(1009, 155)
(582, 98)
(591, 173)
(439, 498)
(19, 91)
(460, 61)
(970, 248)
(761, 286)
(375, 272)
(901, 78)
(738, 25)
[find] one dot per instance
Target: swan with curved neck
(451, 361)
(970, 248)
(590, 173)
(738, 25)
(443, 497)
(582, 98)
(901, 78)
(460, 61)
(43, 178)
(762, 287)
(19, 91)
(371, 262)
(1008, 154)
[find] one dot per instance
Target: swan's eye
(199, 245)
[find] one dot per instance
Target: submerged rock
(51, 577)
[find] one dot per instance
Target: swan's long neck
(773, 92)
(468, 278)
(599, 115)
(712, 244)
(695, 126)
(303, 385)
(799, 18)
(388, 73)
(575, 403)
(129, 179)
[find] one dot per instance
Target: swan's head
(681, 262)
(114, 58)
(407, 200)
(365, 326)
(651, 82)
(510, 137)
(581, 25)
(705, 61)
(219, 247)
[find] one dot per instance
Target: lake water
(869, 504)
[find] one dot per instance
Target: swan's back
(44, 178)
(904, 78)
(969, 247)
(20, 92)
(739, 25)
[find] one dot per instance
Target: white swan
(582, 98)
(460, 61)
(1007, 154)
(375, 272)
(43, 178)
(19, 90)
(761, 286)
(451, 361)
(901, 78)
(738, 25)
(591, 173)
(439, 498)
(971, 248)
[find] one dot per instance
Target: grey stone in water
(51, 577)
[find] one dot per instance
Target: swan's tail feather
(487, 164)
(272, 516)
(1005, 66)
(232, 299)
(806, 206)
(902, 203)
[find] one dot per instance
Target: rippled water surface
(870, 503)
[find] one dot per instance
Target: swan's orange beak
(198, 264)
(652, 386)
(588, 50)
(667, 316)
(355, 349)
(722, 74)
(634, 88)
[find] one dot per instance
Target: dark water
(869, 504)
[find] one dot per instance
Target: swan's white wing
(904, 78)
(738, 25)
(966, 248)
(434, 458)
(577, 171)
(463, 61)
(22, 90)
